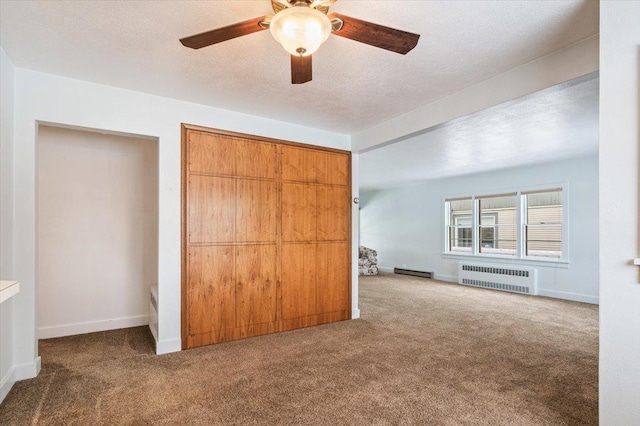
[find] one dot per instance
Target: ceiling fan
(301, 26)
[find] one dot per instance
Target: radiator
(422, 274)
(513, 278)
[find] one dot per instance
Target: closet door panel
(256, 159)
(211, 291)
(297, 165)
(299, 211)
(211, 153)
(335, 170)
(211, 209)
(298, 280)
(256, 211)
(333, 213)
(333, 277)
(256, 284)
(316, 162)
(309, 165)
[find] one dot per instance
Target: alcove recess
(265, 236)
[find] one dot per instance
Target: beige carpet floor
(423, 353)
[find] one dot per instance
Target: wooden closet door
(314, 166)
(212, 209)
(255, 159)
(332, 213)
(335, 170)
(211, 294)
(211, 153)
(256, 284)
(297, 164)
(299, 296)
(266, 229)
(299, 212)
(315, 234)
(332, 284)
(255, 211)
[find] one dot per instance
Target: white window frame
(447, 224)
(520, 225)
(477, 213)
(525, 223)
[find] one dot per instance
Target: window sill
(508, 260)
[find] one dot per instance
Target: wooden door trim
(350, 231)
(186, 127)
(184, 231)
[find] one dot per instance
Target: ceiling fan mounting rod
(303, 2)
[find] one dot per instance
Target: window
(488, 231)
(523, 224)
(498, 228)
(463, 231)
(543, 224)
(460, 226)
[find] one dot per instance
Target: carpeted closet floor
(424, 352)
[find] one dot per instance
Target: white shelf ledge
(8, 289)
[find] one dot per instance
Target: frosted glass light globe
(300, 29)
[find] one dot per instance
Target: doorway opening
(97, 230)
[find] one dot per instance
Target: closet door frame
(184, 220)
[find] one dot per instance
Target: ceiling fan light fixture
(301, 30)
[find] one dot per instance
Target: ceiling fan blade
(218, 35)
(376, 35)
(301, 69)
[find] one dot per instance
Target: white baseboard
(541, 292)
(92, 326)
(16, 373)
(28, 370)
(7, 383)
(168, 346)
(355, 313)
(447, 278)
(385, 269)
(594, 300)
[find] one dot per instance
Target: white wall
(355, 235)
(7, 374)
(619, 213)
(97, 230)
(45, 98)
(405, 224)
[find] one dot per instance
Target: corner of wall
(28, 370)
(7, 324)
(6, 383)
(168, 346)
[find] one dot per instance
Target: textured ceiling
(556, 123)
(134, 45)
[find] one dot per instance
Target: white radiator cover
(512, 278)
